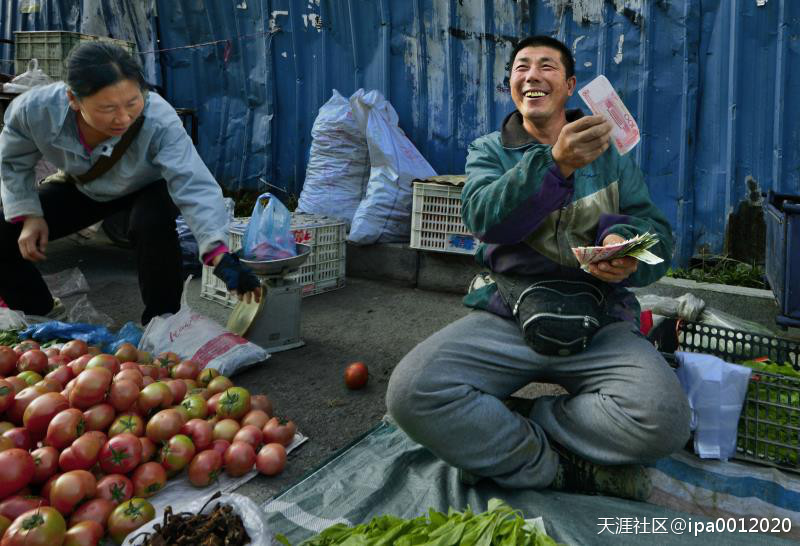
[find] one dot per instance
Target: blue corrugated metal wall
(711, 82)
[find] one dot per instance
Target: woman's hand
(616, 270)
(237, 277)
(33, 239)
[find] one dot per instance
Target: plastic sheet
(178, 490)
(90, 333)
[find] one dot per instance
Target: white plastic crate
(436, 220)
(324, 270)
(52, 47)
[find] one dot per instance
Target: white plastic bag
(32, 77)
(338, 163)
(199, 338)
(253, 518)
(384, 215)
(716, 391)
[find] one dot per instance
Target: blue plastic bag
(269, 235)
(90, 333)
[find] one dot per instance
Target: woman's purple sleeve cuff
(209, 256)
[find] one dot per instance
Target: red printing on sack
(216, 347)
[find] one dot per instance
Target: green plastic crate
(51, 48)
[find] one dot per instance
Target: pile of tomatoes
(86, 438)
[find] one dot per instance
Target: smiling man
(546, 182)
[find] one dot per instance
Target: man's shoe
(578, 475)
(58, 312)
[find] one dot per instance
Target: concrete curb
(446, 272)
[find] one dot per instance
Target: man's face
(539, 84)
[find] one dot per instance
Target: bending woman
(104, 104)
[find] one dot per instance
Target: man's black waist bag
(557, 317)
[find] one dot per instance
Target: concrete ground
(394, 298)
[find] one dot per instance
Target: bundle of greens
(500, 525)
(771, 422)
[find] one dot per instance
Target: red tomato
(121, 454)
(196, 406)
(257, 418)
(46, 461)
(85, 533)
(261, 402)
(56, 361)
(82, 454)
(75, 348)
(239, 459)
(186, 369)
(124, 394)
(8, 360)
(41, 411)
(115, 487)
(33, 360)
(62, 374)
(129, 516)
(70, 489)
(274, 432)
(271, 459)
(6, 394)
(48, 485)
(164, 425)
(155, 395)
(26, 345)
(131, 374)
(16, 505)
(219, 384)
(126, 352)
(213, 403)
(38, 527)
(177, 453)
(65, 428)
(20, 437)
(148, 448)
(205, 467)
(77, 365)
(250, 434)
(205, 376)
(90, 387)
(108, 362)
(148, 479)
(99, 417)
(220, 446)
(234, 403)
(356, 375)
(17, 383)
(21, 401)
(200, 431)
(169, 356)
(178, 389)
(226, 430)
(96, 510)
(127, 422)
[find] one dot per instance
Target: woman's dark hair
(91, 66)
(536, 41)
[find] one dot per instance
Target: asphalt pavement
(373, 321)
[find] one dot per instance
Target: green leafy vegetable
(500, 525)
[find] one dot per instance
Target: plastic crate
(323, 271)
(782, 217)
(51, 48)
(769, 425)
(436, 220)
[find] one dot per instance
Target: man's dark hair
(545, 41)
(91, 66)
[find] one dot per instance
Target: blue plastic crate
(783, 255)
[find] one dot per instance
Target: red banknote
(602, 100)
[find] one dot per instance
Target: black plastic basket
(769, 426)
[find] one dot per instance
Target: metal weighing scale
(274, 322)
